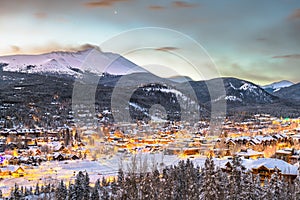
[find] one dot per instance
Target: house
(250, 154)
(283, 155)
(73, 157)
(15, 171)
(265, 167)
(58, 156)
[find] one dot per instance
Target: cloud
(167, 49)
(51, 47)
(40, 15)
(290, 56)
(183, 4)
(295, 14)
(69, 48)
(156, 7)
(103, 3)
(15, 48)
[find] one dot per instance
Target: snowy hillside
(274, 87)
(68, 63)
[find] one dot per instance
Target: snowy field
(51, 172)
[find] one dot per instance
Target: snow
(69, 63)
(249, 152)
(247, 86)
(271, 163)
(51, 172)
(233, 98)
(278, 85)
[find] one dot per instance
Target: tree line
(181, 181)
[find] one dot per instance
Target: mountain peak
(69, 63)
(276, 86)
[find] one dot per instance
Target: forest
(181, 181)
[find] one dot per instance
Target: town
(264, 142)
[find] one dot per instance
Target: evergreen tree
(37, 189)
(61, 191)
(235, 179)
(86, 187)
(276, 185)
(72, 194)
(79, 185)
(95, 194)
(221, 184)
(209, 185)
(120, 177)
(105, 194)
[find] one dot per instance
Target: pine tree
(221, 184)
(276, 185)
(120, 177)
(267, 191)
(296, 189)
(86, 187)
(248, 187)
(235, 179)
(105, 194)
(209, 185)
(79, 185)
(95, 194)
(72, 194)
(167, 184)
(15, 192)
(61, 191)
(37, 189)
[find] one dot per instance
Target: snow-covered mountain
(238, 92)
(246, 92)
(275, 87)
(69, 63)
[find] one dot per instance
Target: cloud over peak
(103, 3)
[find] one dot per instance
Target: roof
(271, 163)
(249, 152)
(283, 152)
(11, 168)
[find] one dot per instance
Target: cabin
(283, 155)
(58, 156)
(191, 151)
(250, 154)
(265, 167)
(12, 170)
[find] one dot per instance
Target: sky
(256, 40)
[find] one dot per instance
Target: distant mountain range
(275, 87)
(27, 79)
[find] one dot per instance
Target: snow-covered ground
(51, 172)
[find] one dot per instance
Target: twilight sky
(257, 40)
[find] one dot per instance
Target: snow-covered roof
(271, 163)
(249, 152)
(283, 152)
(11, 168)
